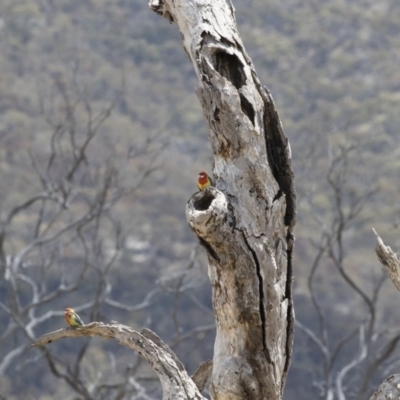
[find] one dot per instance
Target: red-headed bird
(204, 181)
(72, 318)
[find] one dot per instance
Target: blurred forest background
(102, 138)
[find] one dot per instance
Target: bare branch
(194, 331)
(389, 260)
(324, 350)
(148, 300)
(352, 364)
(176, 383)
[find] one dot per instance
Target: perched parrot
(204, 181)
(72, 318)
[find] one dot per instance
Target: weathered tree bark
(390, 387)
(246, 222)
(175, 382)
(389, 261)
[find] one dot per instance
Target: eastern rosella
(204, 181)
(72, 318)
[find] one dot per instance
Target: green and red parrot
(72, 318)
(204, 181)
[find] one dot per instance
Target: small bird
(72, 318)
(204, 181)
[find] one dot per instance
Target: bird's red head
(68, 310)
(202, 177)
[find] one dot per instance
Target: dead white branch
(175, 382)
(389, 260)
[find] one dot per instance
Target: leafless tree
(64, 243)
(349, 362)
(66, 237)
(245, 222)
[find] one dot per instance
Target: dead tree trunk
(245, 222)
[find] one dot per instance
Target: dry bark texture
(246, 222)
(389, 261)
(390, 388)
(175, 382)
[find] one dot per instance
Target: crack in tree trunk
(249, 250)
(261, 302)
(245, 222)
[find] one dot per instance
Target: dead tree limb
(245, 222)
(389, 260)
(175, 382)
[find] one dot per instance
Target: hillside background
(332, 67)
